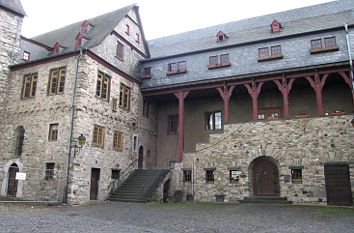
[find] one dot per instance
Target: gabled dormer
(57, 48)
(86, 27)
(80, 40)
(275, 26)
(221, 36)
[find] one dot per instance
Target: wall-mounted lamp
(81, 140)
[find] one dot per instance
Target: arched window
(20, 136)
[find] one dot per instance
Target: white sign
(20, 176)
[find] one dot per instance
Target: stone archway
(264, 177)
(10, 186)
(12, 182)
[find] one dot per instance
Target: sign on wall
(20, 176)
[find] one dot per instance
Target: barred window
(103, 86)
(296, 175)
(118, 141)
(172, 126)
(209, 175)
(49, 171)
(29, 85)
(187, 175)
(98, 136)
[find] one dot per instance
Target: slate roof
(66, 36)
(296, 21)
(13, 5)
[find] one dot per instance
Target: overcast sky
(159, 17)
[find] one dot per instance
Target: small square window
(187, 175)
(53, 132)
(296, 175)
(209, 175)
(213, 120)
(146, 73)
(137, 38)
(263, 52)
(224, 59)
(115, 174)
(235, 176)
(261, 116)
(26, 56)
(213, 60)
(316, 44)
(49, 171)
(275, 50)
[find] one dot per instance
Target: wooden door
(141, 158)
(12, 183)
(95, 178)
(338, 188)
(265, 178)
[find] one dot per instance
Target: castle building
(257, 108)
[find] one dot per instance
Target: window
(127, 29)
(235, 176)
(57, 81)
(118, 141)
(296, 175)
(20, 137)
(187, 175)
(115, 174)
(146, 73)
(103, 86)
(26, 56)
(175, 68)
(213, 120)
(221, 36)
(323, 45)
(114, 104)
(120, 51)
(49, 171)
(219, 61)
(137, 38)
(135, 143)
(209, 174)
(29, 85)
(275, 26)
(269, 53)
(330, 42)
(172, 126)
(269, 113)
(146, 109)
(124, 97)
(98, 136)
(53, 132)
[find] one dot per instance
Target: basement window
(115, 174)
(187, 175)
(296, 174)
(49, 171)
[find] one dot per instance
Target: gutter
(350, 57)
(72, 108)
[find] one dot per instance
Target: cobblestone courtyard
(184, 217)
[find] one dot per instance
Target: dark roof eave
(228, 79)
(21, 14)
(244, 43)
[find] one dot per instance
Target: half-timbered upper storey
(305, 37)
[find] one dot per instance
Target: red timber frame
(225, 86)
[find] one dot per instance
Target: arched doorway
(265, 177)
(141, 158)
(12, 182)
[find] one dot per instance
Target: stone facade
(304, 143)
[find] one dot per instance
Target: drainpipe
(72, 108)
(350, 57)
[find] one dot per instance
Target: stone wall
(307, 143)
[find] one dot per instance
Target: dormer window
(26, 56)
(275, 26)
(221, 36)
(127, 29)
(86, 27)
(57, 48)
(80, 40)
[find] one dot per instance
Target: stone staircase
(140, 186)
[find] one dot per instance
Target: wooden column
(225, 93)
(254, 90)
(181, 95)
(285, 87)
(317, 84)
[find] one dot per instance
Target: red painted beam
(225, 94)
(181, 96)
